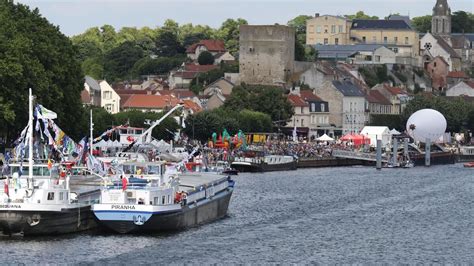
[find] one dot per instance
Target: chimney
(316, 15)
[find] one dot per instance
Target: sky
(75, 16)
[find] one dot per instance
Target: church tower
(441, 20)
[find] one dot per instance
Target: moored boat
(161, 201)
(255, 161)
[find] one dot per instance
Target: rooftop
(347, 88)
(211, 45)
(296, 101)
(150, 101)
(362, 24)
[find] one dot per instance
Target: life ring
(130, 139)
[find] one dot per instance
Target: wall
(330, 94)
(353, 109)
(110, 100)
(438, 71)
(329, 27)
(395, 38)
(266, 54)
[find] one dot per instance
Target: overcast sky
(75, 16)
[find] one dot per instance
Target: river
(326, 215)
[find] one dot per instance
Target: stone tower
(441, 20)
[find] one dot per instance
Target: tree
(160, 65)
(35, 54)
(361, 15)
(229, 32)
(299, 23)
(119, 61)
(167, 44)
(422, 24)
(462, 21)
(205, 58)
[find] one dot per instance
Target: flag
(124, 183)
(50, 164)
(48, 114)
(5, 187)
(295, 136)
(183, 125)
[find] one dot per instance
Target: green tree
(35, 54)
(462, 21)
(167, 44)
(299, 23)
(119, 61)
(361, 15)
(229, 33)
(205, 58)
(160, 65)
(422, 23)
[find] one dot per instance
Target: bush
(205, 58)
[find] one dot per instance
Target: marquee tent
(374, 133)
(325, 138)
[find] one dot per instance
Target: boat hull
(188, 216)
(31, 223)
(264, 167)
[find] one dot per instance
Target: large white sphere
(426, 124)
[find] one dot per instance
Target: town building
(435, 45)
(441, 19)
(182, 77)
(359, 54)
(438, 70)
(378, 104)
(463, 88)
(266, 54)
(215, 47)
(327, 30)
(348, 105)
(100, 93)
(397, 96)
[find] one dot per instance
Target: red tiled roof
(395, 90)
(375, 96)
(458, 74)
(124, 98)
(470, 83)
(183, 94)
(211, 46)
(129, 91)
(308, 95)
(150, 101)
(189, 104)
(199, 68)
(186, 74)
(85, 96)
(296, 101)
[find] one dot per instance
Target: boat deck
(191, 181)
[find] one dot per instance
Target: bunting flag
(48, 114)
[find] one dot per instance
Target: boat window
(140, 170)
(15, 169)
(153, 169)
(67, 195)
(61, 195)
(169, 199)
(50, 195)
(37, 171)
(163, 200)
(25, 171)
(123, 131)
(155, 201)
(127, 169)
(138, 131)
(46, 172)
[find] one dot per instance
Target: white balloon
(426, 124)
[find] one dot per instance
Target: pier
(371, 157)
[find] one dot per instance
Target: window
(50, 195)
(61, 195)
(163, 200)
(377, 58)
(323, 109)
(318, 29)
(107, 95)
(302, 110)
(325, 41)
(341, 29)
(434, 64)
(302, 122)
(406, 40)
(169, 199)
(336, 41)
(333, 28)
(395, 50)
(251, 49)
(109, 107)
(313, 107)
(363, 39)
(385, 39)
(395, 39)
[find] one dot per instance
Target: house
(224, 57)
(327, 30)
(319, 114)
(301, 117)
(222, 86)
(432, 46)
(212, 46)
(454, 77)
(182, 77)
(397, 96)
(100, 93)
(438, 70)
(213, 101)
(365, 54)
(348, 105)
(378, 104)
(150, 103)
(463, 88)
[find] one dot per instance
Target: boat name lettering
(8, 206)
(123, 207)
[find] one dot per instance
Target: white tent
(394, 132)
(325, 138)
(375, 133)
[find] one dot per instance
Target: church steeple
(441, 20)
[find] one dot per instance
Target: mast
(156, 123)
(91, 148)
(30, 142)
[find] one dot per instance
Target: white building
(461, 89)
(375, 133)
(102, 94)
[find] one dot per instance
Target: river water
(326, 215)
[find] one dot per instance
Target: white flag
(48, 113)
(295, 136)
